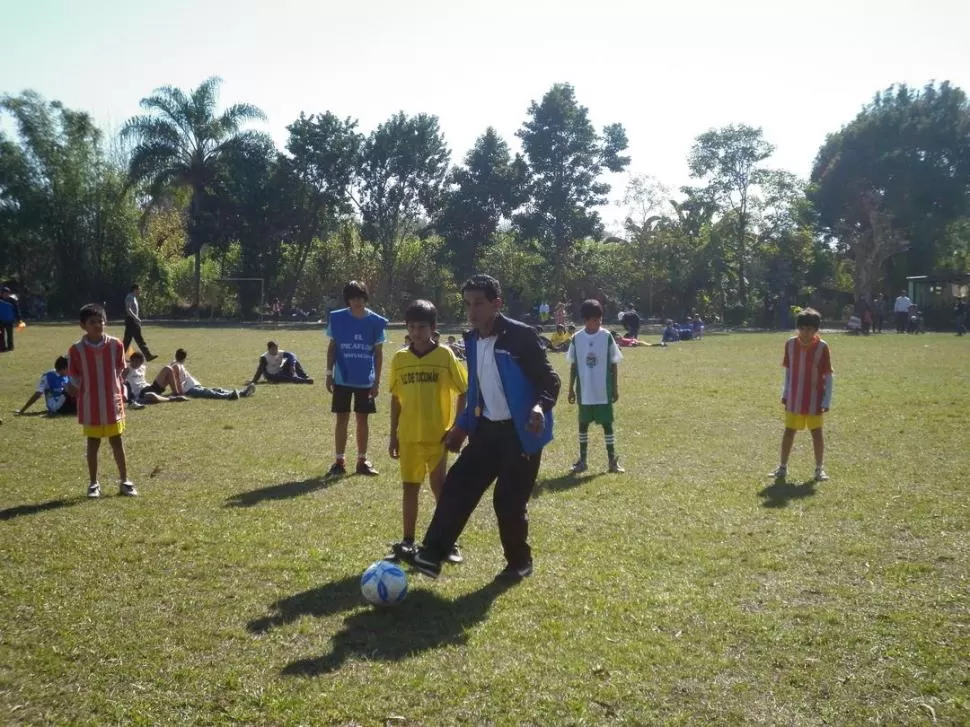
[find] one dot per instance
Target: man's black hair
(809, 317)
(355, 289)
(485, 284)
(181, 354)
(421, 311)
(271, 344)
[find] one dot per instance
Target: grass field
(688, 591)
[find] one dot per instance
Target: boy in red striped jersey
(807, 393)
(95, 364)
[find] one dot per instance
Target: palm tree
(179, 142)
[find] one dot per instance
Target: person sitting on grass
(670, 333)
(559, 341)
(141, 392)
(280, 367)
(697, 327)
(53, 386)
(627, 342)
(456, 348)
(191, 387)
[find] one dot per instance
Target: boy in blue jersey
(354, 360)
(53, 386)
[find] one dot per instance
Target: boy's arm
(30, 402)
(572, 383)
(460, 406)
(616, 382)
(260, 368)
(829, 380)
(395, 419)
(378, 365)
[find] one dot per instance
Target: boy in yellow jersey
(425, 377)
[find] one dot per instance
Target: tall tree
(324, 155)
(911, 149)
(566, 160)
(179, 142)
(481, 193)
(403, 166)
(727, 161)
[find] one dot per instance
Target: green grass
(687, 591)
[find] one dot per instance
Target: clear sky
(667, 71)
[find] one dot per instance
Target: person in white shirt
(194, 390)
(133, 324)
(901, 310)
(280, 367)
(141, 392)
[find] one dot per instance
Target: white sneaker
(780, 473)
(94, 490)
(127, 489)
(820, 475)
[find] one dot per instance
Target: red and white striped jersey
(807, 371)
(96, 369)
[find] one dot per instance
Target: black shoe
(404, 550)
(426, 565)
(337, 469)
(515, 573)
(366, 468)
(455, 555)
(150, 357)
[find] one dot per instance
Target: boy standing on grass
(95, 365)
(354, 360)
(807, 393)
(425, 377)
(593, 356)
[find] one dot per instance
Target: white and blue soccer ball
(384, 584)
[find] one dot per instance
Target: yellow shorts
(418, 459)
(103, 432)
(802, 421)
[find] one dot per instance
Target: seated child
(697, 327)
(627, 342)
(191, 387)
(141, 392)
(280, 367)
(53, 386)
(456, 348)
(559, 341)
(670, 333)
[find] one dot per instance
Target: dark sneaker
(150, 357)
(233, 396)
(780, 472)
(366, 468)
(516, 573)
(337, 469)
(94, 490)
(128, 489)
(249, 390)
(426, 565)
(403, 550)
(615, 466)
(455, 555)
(579, 467)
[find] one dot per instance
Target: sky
(667, 71)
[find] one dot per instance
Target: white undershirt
(496, 407)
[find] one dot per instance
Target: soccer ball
(384, 584)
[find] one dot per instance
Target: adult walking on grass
(507, 419)
(133, 323)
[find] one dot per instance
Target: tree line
(186, 196)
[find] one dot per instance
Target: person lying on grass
(193, 389)
(141, 392)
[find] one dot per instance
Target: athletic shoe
(127, 489)
(455, 555)
(579, 467)
(820, 475)
(403, 550)
(337, 469)
(780, 472)
(234, 395)
(249, 390)
(94, 490)
(426, 565)
(366, 468)
(615, 466)
(516, 573)
(135, 405)
(150, 357)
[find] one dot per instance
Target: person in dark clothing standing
(507, 419)
(9, 317)
(133, 324)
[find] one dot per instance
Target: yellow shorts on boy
(104, 431)
(802, 421)
(418, 459)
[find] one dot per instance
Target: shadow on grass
(20, 510)
(561, 483)
(282, 491)
(341, 595)
(423, 621)
(780, 493)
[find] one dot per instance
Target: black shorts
(363, 403)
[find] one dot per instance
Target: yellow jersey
(558, 339)
(426, 387)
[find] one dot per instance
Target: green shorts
(596, 413)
